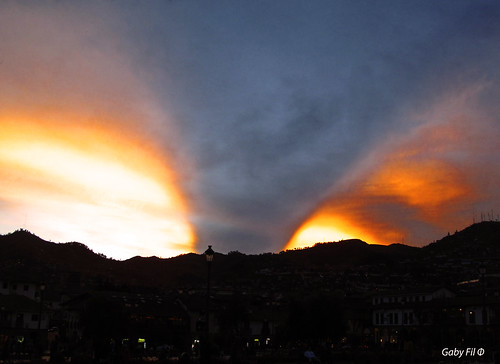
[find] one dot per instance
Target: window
(405, 318)
(472, 317)
(396, 319)
(19, 320)
(377, 318)
(26, 287)
(34, 317)
(410, 318)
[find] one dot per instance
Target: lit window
(472, 317)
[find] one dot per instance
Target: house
(395, 313)
(20, 314)
(28, 289)
(404, 308)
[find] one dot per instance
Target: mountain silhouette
(26, 255)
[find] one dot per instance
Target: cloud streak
(415, 186)
(77, 157)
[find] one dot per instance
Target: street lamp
(209, 256)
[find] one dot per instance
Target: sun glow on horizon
(324, 227)
(90, 184)
(415, 186)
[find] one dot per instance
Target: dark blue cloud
(276, 100)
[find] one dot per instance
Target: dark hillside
(23, 247)
(24, 254)
(476, 241)
(347, 254)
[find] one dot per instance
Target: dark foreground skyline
(348, 302)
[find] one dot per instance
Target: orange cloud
(93, 185)
(416, 186)
(79, 140)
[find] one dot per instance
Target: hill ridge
(24, 250)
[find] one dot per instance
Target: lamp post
(209, 255)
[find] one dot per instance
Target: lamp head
(209, 254)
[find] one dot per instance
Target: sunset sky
(160, 127)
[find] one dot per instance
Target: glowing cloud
(80, 151)
(416, 186)
(83, 185)
(323, 228)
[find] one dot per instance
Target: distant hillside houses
(22, 311)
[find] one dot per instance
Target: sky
(162, 127)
